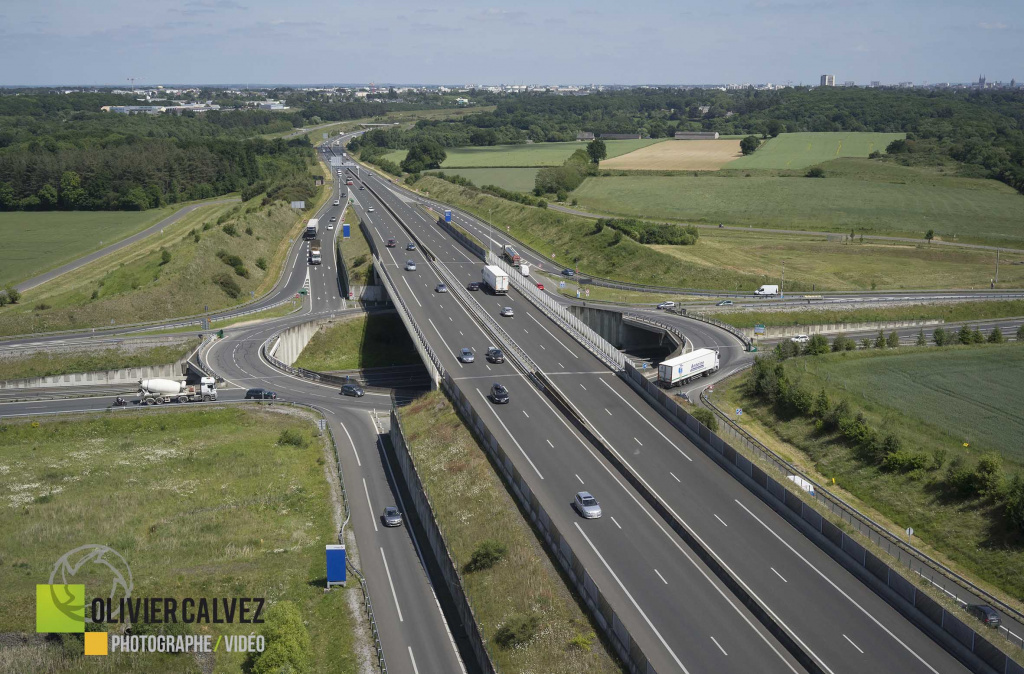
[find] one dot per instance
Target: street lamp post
(782, 287)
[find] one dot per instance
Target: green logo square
(60, 608)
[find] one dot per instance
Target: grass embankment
(46, 363)
(201, 503)
(800, 150)
(868, 196)
(933, 400)
(136, 284)
(513, 179)
(371, 340)
(950, 313)
(525, 155)
(356, 252)
(472, 506)
(37, 241)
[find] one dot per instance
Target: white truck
(315, 252)
(311, 228)
(524, 269)
(496, 279)
(159, 391)
(689, 366)
(767, 290)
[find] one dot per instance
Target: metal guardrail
(903, 552)
(731, 329)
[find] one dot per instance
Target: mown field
(526, 155)
(472, 505)
(49, 363)
(34, 242)
(200, 503)
(677, 155)
(866, 196)
(514, 179)
(800, 150)
(373, 340)
(950, 313)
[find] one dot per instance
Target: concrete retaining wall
(774, 332)
(292, 341)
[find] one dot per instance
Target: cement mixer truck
(159, 391)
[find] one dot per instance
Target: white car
(330, 226)
(337, 203)
(800, 339)
(369, 209)
(410, 265)
(667, 305)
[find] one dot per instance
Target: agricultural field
(371, 340)
(217, 502)
(35, 242)
(954, 314)
(800, 150)
(677, 155)
(526, 155)
(514, 179)
(862, 195)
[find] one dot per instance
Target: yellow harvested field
(678, 155)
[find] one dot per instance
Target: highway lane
(546, 449)
(819, 602)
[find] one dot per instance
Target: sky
(105, 42)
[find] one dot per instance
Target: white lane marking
(853, 644)
(674, 475)
(579, 478)
(561, 367)
(615, 521)
(719, 646)
(630, 596)
(606, 410)
(549, 443)
(525, 414)
(638, 442)
(721, 520)
(647, 420)
(552, 335)
(778, 574)
(372, 516)
(394, 594)
(358, 462)
(583, 387)
(415, 669)
(840, 590)
(527, 456)
(661, 576)
(411, 292)
(444, 342)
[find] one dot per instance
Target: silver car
(587, 505)
(370, 209)
(507, 312)
(410, 265)
(441, 288)
(391, 517)
(466, 355)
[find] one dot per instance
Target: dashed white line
(394, 594)
(583, 387)
(721, 520)
(615, 522)
(674, 475)
(372, 516)
(549, 443)
(606, 410)
(661, 576)
(415, 669)
(579, 478)
(527, 456)
(638, 441)
(647, 420)
(778, 574)
(525, 414)
(853, 644)
(719, 646)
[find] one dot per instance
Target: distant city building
(849, 83)
(696, 135)
(461, 101)
(828, 80)
(875, 84)
(585, 135)
(981, 81)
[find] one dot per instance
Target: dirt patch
(678, 155)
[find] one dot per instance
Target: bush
(653, 233)
(228, 285)
(12, 293)
(261, 262)
(42, 306)
(706, 417)
(487, 554)
(880, 340)
(582, 642)
(1014, 508)
(749, 144)
(903, 462)
(996, 336)
(815, 172)
(1020, 333)
(542, 204)
(293, 438)
(843, 343)
(230, 230)
(517, 630)
(253, 191)
(816, 345)
(616, 239)
(287, 646)
(893, 341)
(165, 257)
(248, 230)
(4, 300)
(562, 195)
(940, 337)
(598, 227)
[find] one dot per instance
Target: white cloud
(993, 25)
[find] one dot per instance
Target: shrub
(815, 172)
(903, 462)
(706, 417)
(230, 230)
(940, 337)
(207, 226)
(42, 306)
(880, 340)
(4, 300)
(293, 438)
(598, 227)
(816, 345)
(1020, 332)
(616, 239)
(165, 257)
(654, 233)
(996, 336)
(287, 646)
(961, 478)
(487, 554)
(562, 195)
(228, 285)
(542, 204)
(13, 294)
(261, 262)
(582, 642)
(518, 629)
(95, 295)
(893, 341)
(1014, 508)
(843, 343)
(920, 338)
(988, 474)
(248, 230)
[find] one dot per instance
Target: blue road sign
(739, 411)
(335, 565)
(346, 231)
(448, 216)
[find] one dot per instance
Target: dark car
(495, 355)
(391, 517)
(352, 390)
(985, 614)
(499, 394)
(568, 272)
(260, 394)
(392, 243)
(473, 286)
(410, 246)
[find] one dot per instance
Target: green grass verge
(526, 155)
(46, 363)
(950, 313)
(371, 340)
(471, 505)
(201, 503)
(867, 196)
(37, 241)
(356, 252)
(273, 312)
(800, 150)
(935, 399)
(514, 179)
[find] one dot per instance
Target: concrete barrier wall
(293, 340)
(835, 328)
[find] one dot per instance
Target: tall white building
(828, 80)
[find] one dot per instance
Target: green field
(800, 150)
(34, 242)
(373, 340)
(514, 179)
(200, 503)
(950, 313)
(867, 196)
(472, 505)
(49, 363)
(526, 155)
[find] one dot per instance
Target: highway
(841, 624)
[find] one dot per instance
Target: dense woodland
(982, 130)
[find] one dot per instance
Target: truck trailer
(689, 366)
(311, 228)
(159, 391)
(495, 279)
(315, 252)
(510, 254)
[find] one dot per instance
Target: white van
(767, 290)
(524, 269)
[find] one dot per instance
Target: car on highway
(391, 517)
(667, 305)
(498, 394)
(985, 614)
(337, 203)
(260, 394)
(353, 390)
(392, 243)
(369, 209)
(724, 303)
(507, 312)
(362, 187)
(330, 226)
(540, 286)
(568, 272)
(800, 339)
(586, 505)
(441, 288)
(334, 218)
(410, 246)
(410, 265)
(475, 285)
(466, 355)
(495, 355)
